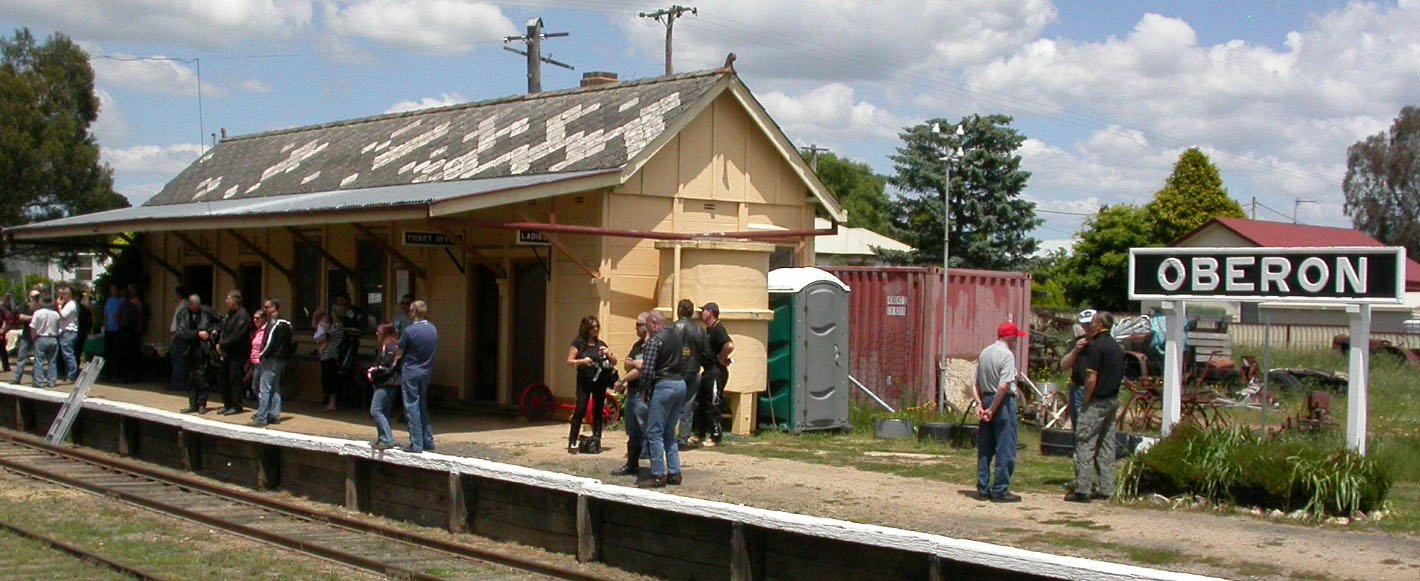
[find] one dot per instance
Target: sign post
(1355, 276)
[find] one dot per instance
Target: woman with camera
(596, 370)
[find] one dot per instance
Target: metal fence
(1305, 337)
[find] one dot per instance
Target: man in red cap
(995, 396)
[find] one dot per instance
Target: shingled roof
(600, 127)
(435, 161)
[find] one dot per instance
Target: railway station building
(512, 218)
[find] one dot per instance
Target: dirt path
(1227, 545)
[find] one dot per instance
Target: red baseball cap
(1009, 329)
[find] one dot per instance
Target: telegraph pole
(534, 39)
(814, 150)
(668, 16)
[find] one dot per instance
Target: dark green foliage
(859, 191)
(990, 223)
(1382, 185)
(1096, 273)
(1193, 194)
(49, 162)
(1313, 473)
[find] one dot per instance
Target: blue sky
(1108, 93)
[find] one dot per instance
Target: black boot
(633, 462)
(572, 438)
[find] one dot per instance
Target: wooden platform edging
(637, 530)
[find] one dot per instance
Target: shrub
(1314, 473)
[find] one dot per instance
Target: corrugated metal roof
(1283, 235)
(192, 214)
(583, 129)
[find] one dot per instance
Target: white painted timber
(961, 550)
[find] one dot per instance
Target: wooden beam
(557, 243)
(349, 272)
(217, 262)
(390, 248)
(251, 246)
(151, 256)
(492, 263)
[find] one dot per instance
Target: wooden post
(744, 406)
(935, 569)
(589, 530)
(24, 414)
(127, 436)
(190, 447)
(746, 553)
(458, 510)
(357, 480)
(268, 467)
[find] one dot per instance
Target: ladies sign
(1335, 275)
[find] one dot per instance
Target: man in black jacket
(663, 377)
(196, 327)
(275, 350)
(235, 343)
(692, 349)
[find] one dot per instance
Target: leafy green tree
(49, 161)
(990, 223)
(858, 189)
(1382, 185)
(1193, 194)
(1046, 291)
(1096, 275)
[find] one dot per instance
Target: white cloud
(831, 113)
(161, 74)
(111, 126)
(443, 100)
(152, 160)
(436, 26)
(846, 40)
(187, 22)
(137, 194)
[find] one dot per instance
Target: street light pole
(952, 155)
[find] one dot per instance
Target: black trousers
(199, 375)
(707, 412)
(233, 388)
(595, 394)
(113, 363)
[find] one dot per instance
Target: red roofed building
(1244, 233)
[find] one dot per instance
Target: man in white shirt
(45, 324)
(68, 333)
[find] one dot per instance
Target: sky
(1108, 93)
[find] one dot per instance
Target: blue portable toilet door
(823, 319)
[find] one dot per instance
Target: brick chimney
(595, 78)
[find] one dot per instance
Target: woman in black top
(385, 377)
(596, 370)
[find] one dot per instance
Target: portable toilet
(807, 352)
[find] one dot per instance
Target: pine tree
(1193, 194)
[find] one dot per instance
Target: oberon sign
(1338, 275)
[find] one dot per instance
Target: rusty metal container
(895, 322)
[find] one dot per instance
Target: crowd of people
(52, 330)
(1096, 366)
(672, 388)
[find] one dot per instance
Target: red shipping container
(895, 323)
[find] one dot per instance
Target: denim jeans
(66, 350)
(687, 410)
(46, 356)
(996, 439)
(268, 390)
(1077, 399)
(667, 401)
(416, 412)
(636, 415)
(23, 352)
(380, 404)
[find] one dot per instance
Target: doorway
(197, 279)
(529, 322)
(483, 339)
(251, 286)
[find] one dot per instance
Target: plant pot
(954, 435)
(1058, 442)
(892, 429)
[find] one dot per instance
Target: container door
(822, 402)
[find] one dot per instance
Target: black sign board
(412, 238)
(532, 238)
(1333, 275)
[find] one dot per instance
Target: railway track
(368, 546)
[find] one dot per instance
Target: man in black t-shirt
(714, 374)
(1103, 365)
(693, 347)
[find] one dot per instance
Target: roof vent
(596, 78)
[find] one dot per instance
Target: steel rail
(297, 511)
(79, 552)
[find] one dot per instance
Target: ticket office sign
(1327, 275)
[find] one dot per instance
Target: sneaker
(694, 441)
(627, 470)
(1099, 496)
(256, 424)
(1007, 497)
(674, 479)
(652, 482)
(411, 450)
(1079, 497)
(378, 445)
